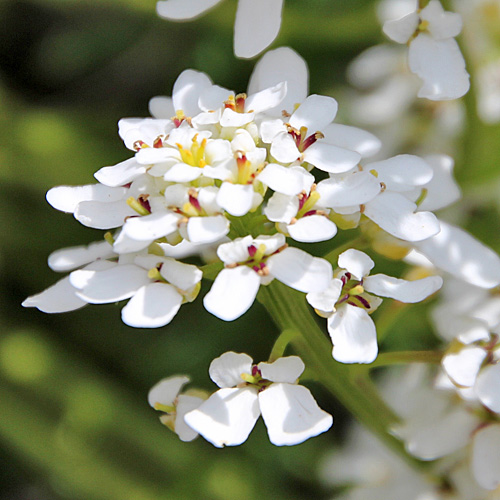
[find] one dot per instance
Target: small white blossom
(165, 397)
(246, 391)
(347, 304)
(434, 54)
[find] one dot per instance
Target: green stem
(282, 343)
(289, 311)
(388, 314)
(404, 357)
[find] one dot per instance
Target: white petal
(402, 172)
(353, 335)
(185, 404)
(325, 300)
(353, 138)
(207, 229)
(231, 118)
(232, 293)
(301, 271)
(181, 172)
(330, 158)
(161, 107)
(286, 180)
(182, 276)
(287, 369)
(235, 198)
(190, 84)
(315, 113)
(67, 259)
(60, 297)
(441, 65)
(457, 252)
(356, 262)
(266, 99)
(400, 30)
(348, 190)
(283, 64)
(272, 243)
(291, 414)
(150, 227)
(442, 190)
(269, 129)
(396, 214)
(485, 457)
(213, 97)
(166, 390)
(402, 290)
(103, 215)
(110, 285)
(235, 251)
(121, 173)
(257, 25)
(67, 198)
(284, 148)
(152, 306)
(444, 435)
(488, 387)
(226, 370)
(312, 228)
(183, 9)
(463, 366)
(281, 208)
(227, 417)
(441, 24)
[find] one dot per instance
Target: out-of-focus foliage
(74, 419)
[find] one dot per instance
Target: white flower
(347, 304)
(257, 21)
(251, 262)
(156, 287)
(434, 54)
(165, 397)
(246, 391)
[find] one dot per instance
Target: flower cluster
(246, 391)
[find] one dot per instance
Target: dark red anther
(311, 212)
(240, 103)
(194, 201)
(241, 161)
(309, 141)
(139, 145)
(348, 275)
(158, 143)
(363, 301)
(255, 371)
(143, 200)
(252, 250)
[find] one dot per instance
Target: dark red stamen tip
(363, 301)
(194, 201)
(143, 200)
(252, 250)
(255, 371)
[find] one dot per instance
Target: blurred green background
(74, 418)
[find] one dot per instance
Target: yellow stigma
(261, 250)
(357, 290)
(309, 204)
(135, 205)
(423, 26)
(164, 408)
(196, 155)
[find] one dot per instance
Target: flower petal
(185, 404)
(353, 335)
(287, 369)
(266, 99)
(441, 66)
(121, 173)
(207, 229)
(330, 158)
(457, 252)
(60, 297)
(67, 259)
(356, 262)
(325, 300)
(166, 390)
(226, 370)
(257, 25)
(227, 417)
(103, 215)
(291, 414)
(312, 228)
(183, 9)
(463, 366)
(299, 270)
(286, 180)
(109, 285)
(235, 198)
(232, 293)
(67, 198)
(152, 306)
(283, 64)
(402, 290)
(400, 30)
(488, 387)
(485, 457)
(353, 138)
(396, 214)
(190, 84)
